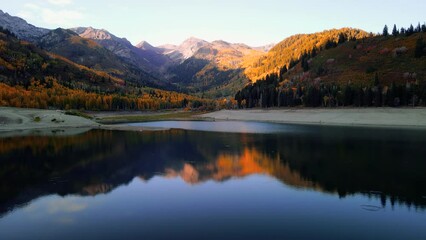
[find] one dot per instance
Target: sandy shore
(385, 117)
(51, 121)
(19, 119)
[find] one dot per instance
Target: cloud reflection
(65, 205)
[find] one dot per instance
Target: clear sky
(254, 22)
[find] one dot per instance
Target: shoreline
(345, 117)
(26, 121)
(20, 121)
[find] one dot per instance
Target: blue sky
(254, 22)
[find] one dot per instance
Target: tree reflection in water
(383, 163)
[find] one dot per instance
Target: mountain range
(161, 66)
(145, 56)
(220, 69)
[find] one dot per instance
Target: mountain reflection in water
(382, 163)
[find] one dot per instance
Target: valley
(212, 119)
(338, 67)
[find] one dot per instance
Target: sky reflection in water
(306, 182)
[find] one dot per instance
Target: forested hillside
(91, 54)
(384, 70)
(291, 49)
(31, 77)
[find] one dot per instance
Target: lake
(215, 180)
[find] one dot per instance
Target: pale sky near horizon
(254, 22)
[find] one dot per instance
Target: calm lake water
(238, 180)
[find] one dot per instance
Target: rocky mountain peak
(21, 28)
(186, 49)
(145, 46)
(193, 42)
(95, 34)
(221, 43)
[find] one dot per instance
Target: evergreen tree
(238, 98)
(358, 97)
(292, 63)
(272, 101)
(283, 70)
(392, 95)
(376, 80)
(342, 38)
(314, 52)
(313, 97)
(348, 96)
(280, 99)
(305, 65)
(290, 98)
(395, 31)
(420, 45)
(402, 91)
(330, 44)
(368, 97)
(385, 31)
(418, 28)
(409, 31)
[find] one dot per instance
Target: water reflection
(224, 126)
(386, 164)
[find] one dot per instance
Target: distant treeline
(50, 94)
(267, 93)
(404, 31)
(420, 44)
